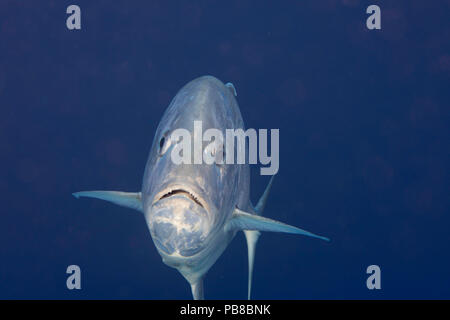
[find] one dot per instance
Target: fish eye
(164, 143)
(220, 161)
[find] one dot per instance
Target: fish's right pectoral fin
(125, 199)
(242, 220)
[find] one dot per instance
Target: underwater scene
(172, 150)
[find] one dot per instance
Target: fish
(194, 210)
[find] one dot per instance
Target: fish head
(185, 204)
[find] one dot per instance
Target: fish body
(193, 209)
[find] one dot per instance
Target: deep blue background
(364, 132)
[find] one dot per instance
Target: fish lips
(178, 225)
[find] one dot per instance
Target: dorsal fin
(232, 88)
(259, 208)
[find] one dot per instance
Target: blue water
(364, 143)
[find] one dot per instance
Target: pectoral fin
(124, 199)
(245, 221)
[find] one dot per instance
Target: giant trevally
(193, 211)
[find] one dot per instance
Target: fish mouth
(179, 221)
(180, 191)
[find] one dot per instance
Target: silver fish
(193, 211)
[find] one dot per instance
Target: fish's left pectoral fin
(242, 220)
(125, 199)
